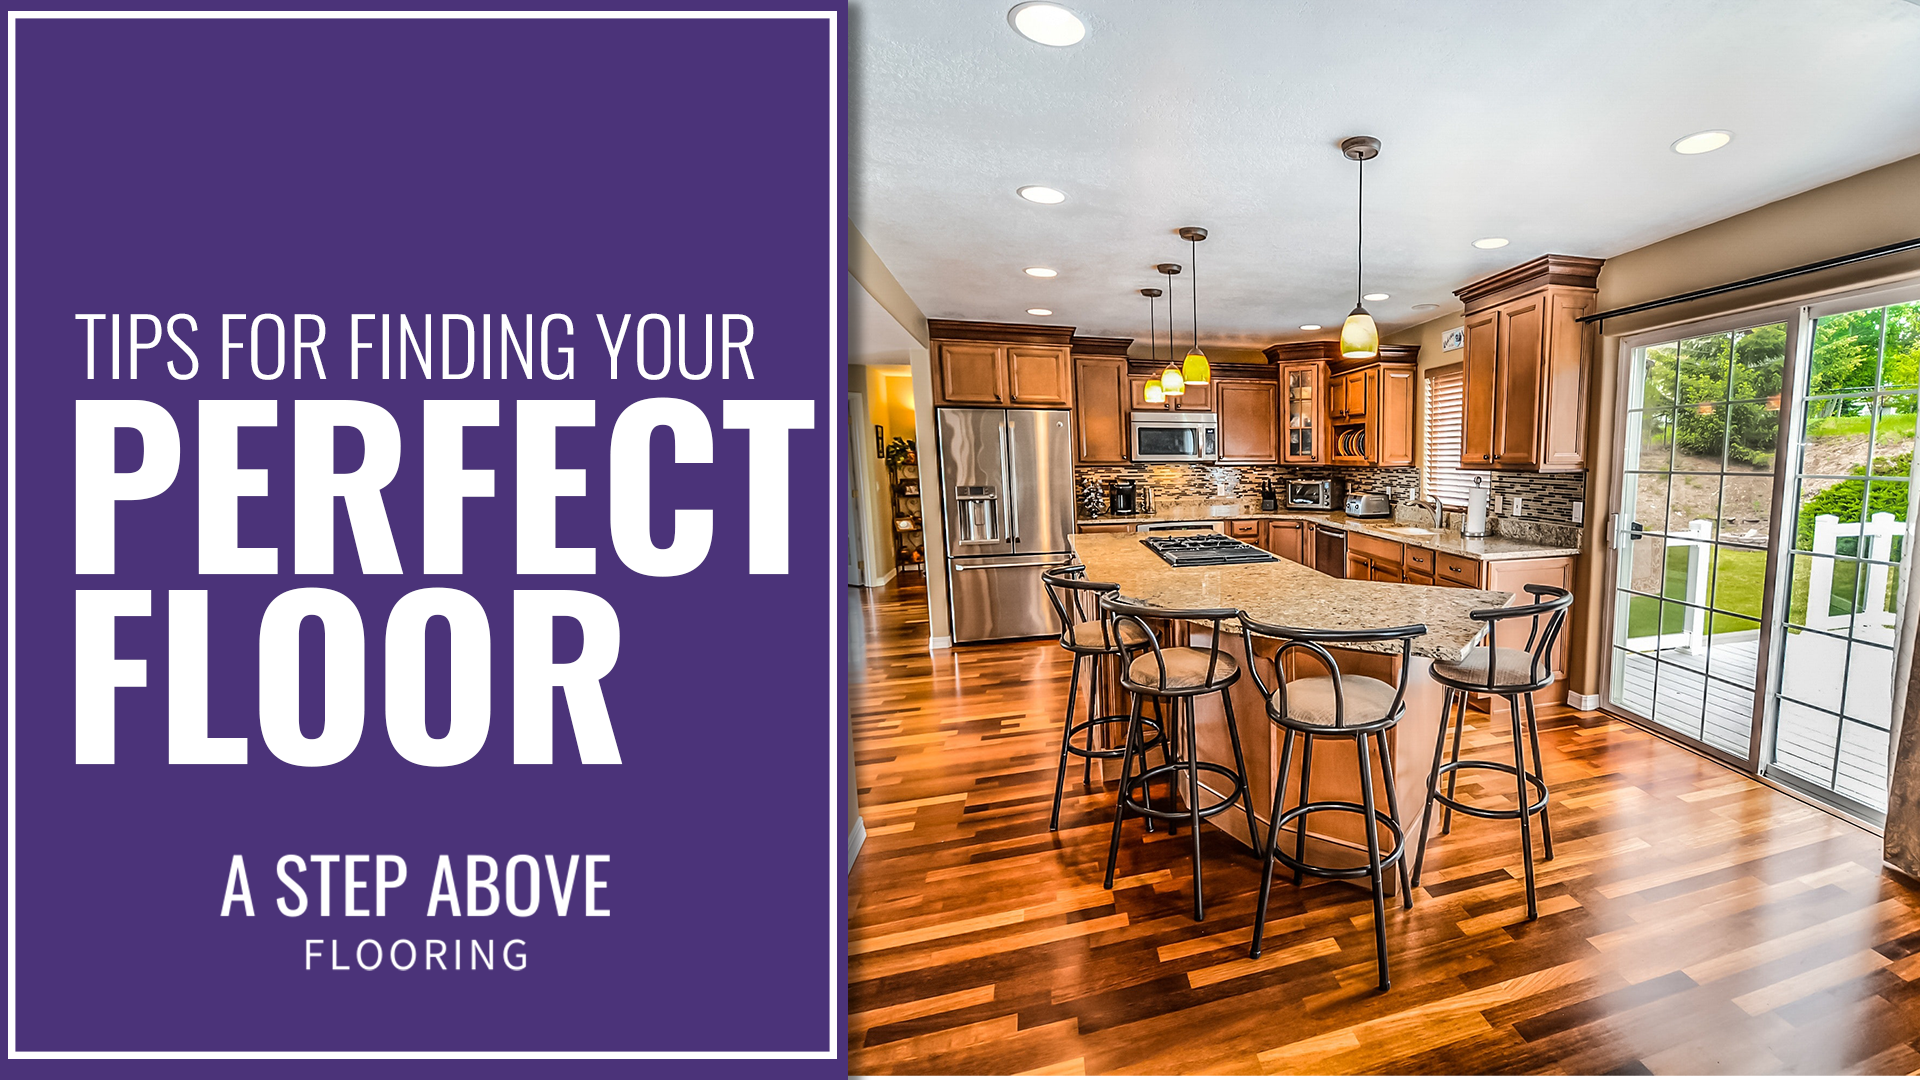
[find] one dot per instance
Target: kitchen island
(1286, 593)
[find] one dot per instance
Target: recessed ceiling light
(1041, 194)
(1041, 271)
(1490, 242)
(1310, 326)
(1702, 142)
(1048, 24)
(1375, 296)
(1039, 311)
(1425, 307)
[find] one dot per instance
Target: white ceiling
(1545, 122)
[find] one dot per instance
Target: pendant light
(1154, 393)
(1171, 380)
(1359, 337)
(1194, 370)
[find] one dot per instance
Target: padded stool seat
(1186, 668)
(1511, 668)
(1311, 701)
(1087, 634)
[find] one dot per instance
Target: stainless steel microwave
(1175, 436)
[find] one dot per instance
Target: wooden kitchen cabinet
(1005, 364)
(1100, 410)
(1528, 365)
(1113, 528)
(1247, 529)
(1195, 399)
(1303, 412)
(1372, 559)
(1369, 406)
(1287, 539)
(1249, 413)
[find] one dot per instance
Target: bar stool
(1087, 634)
(1179, 674)
(1513, 674)
(1334, 706)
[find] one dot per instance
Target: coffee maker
(1129, 497)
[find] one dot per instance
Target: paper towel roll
(1476, 511)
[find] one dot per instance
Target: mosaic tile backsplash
(1548, 497)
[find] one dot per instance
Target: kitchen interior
(1627, 427)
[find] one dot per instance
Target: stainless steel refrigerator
(1006, 485)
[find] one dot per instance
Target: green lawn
(1740, 580)
(1892, 426)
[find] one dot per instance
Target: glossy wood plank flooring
(1694, 921)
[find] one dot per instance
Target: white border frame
(834, 837)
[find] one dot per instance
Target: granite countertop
(1285, 593)
(1446, 540)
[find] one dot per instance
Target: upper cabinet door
(1483, 351)
(1394, 439)
(1569, 355)
(1303, 425)
(1100, 410)
(1195, 398)
(1249, 421)
(969, 373)
(1516, 433)
(1039, 375)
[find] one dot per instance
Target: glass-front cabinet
(1304, 387)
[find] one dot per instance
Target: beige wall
(900, 419)
(1872, 209)
(870, 472)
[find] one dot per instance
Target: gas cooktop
(1205, 549)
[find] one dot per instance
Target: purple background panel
(425, 166)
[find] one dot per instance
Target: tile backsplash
(1548, 497)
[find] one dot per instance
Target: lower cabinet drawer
(1415, 577)
(1458, 570)
(1247, 528)
(1420, 559)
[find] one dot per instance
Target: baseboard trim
(888, 576)
(937, 643)
(856, 839)
(1583, 701)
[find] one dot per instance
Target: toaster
(1369, 506)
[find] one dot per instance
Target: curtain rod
(1763, 279)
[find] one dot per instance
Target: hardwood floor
(1693, 920)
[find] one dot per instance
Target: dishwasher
(1330, 551)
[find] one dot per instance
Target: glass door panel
(1696, 518)
(1851, 493)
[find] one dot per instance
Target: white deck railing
(1876, 534)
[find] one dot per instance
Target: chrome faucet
(1439, 512)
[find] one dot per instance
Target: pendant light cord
(1359, 233)
(1193, 258)
(1153, 333)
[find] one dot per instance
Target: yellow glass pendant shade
(1172, 382)
(1194, 371)
(1154, 392)
(1359, 337)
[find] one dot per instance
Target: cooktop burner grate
(1205, 549)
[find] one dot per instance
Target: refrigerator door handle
(1010, 474)
(959, 566)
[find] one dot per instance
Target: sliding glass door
(1696, 518)
(1760, 562)
(1852, 487)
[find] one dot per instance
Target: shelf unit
(910, 553)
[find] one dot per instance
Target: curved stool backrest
(1076, 601)
(1314, 643)
(1546, 615)
(1119, 611)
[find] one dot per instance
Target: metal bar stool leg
(1273, 842)
(1433, 780)
(1096, 704)
(1453, 778)
(1540, 771)
(1193, 807)
(1373, 863)
(1066, 735)
(1306, 796)
(1120, 804)
(1393, 810)
(1240, 762)
(1526, 819)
